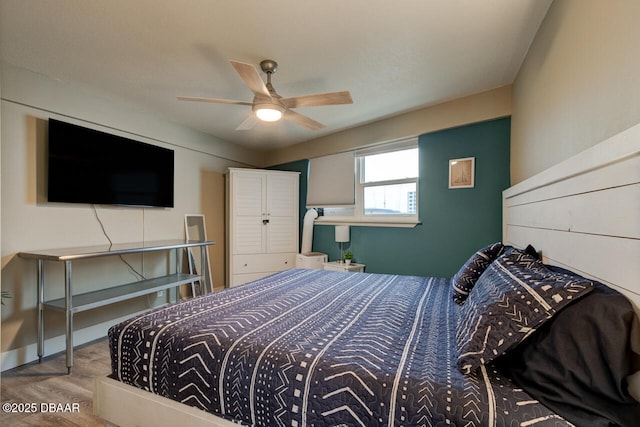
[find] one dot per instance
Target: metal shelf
(72, 304)
(102, 297)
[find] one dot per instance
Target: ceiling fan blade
(248, 123)
(213, 100)
(250, 75)
(331, 98)
(302, 120)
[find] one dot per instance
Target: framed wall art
(462, 172)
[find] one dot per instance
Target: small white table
(341, 266)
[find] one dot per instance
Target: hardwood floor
(48, 383)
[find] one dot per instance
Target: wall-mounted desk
(72, 304)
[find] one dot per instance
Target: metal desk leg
(40, 309)
(180, 269)
(206, 275)
(69, 314)
(178, 254)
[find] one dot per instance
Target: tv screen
(89, 166)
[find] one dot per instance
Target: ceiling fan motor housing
(269, 66)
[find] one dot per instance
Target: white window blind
(331, 181)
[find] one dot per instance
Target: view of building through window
(390, 199)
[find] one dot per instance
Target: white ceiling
(393, 56)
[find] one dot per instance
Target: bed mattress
(317, 348)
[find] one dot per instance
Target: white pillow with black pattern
(465, 279)
(514, 296)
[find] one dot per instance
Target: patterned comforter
(320, 348)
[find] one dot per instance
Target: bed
(315, 347)
(404, 350)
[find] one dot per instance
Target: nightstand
(341, 266)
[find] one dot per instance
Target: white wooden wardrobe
(262, 223)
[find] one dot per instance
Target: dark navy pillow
(577, 364)
(470, 272)
(513, 297)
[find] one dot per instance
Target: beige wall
(579, 84)
(29, 223)
(214, 206)
(471, 109)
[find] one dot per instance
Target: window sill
(368, 222)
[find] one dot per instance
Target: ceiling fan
(268, 105)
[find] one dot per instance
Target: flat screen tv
(93, 167)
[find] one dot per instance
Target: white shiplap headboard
(584, 213)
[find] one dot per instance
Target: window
(386, 187)
(389, 182)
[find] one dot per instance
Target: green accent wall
(455, 223)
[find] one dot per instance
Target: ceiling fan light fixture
(269, 114)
